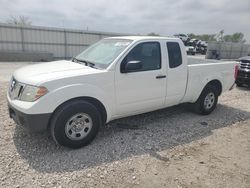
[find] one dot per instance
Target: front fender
(54, 98)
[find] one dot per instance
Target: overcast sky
(165, 17)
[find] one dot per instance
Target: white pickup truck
(114, 78)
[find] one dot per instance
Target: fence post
(231, 50)
(241, 50)
(22, 38)
(220, 51)
(65, 44)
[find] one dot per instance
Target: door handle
(160, 76)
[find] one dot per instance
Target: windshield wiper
(87, 63)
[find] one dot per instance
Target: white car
(190, 50)
(114, 78)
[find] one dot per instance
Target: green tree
(238, 37)
(235, 37)
(204, 37)
(192, 35)
(207, 37)
(227, 38)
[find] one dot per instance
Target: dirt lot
(167, 148)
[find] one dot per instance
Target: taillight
(236, 69)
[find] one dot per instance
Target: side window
(149, 53)
(174, 54)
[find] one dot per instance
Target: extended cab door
(143, 89)
(176, 73)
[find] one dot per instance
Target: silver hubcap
(78, 126)
(209, 101)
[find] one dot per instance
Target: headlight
(32, 93)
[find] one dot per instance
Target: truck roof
(144, 38)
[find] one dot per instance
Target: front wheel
(207, 101)
(75, 124)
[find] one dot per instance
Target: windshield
(104, 52)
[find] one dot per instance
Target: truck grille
(243, 74)
(15, 89)
(245, 64)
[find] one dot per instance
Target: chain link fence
(227, 50)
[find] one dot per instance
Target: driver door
(144, 89)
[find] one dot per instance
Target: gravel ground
(6, 69)
(166, 148)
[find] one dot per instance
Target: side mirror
(132, 66)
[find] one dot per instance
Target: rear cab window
(174, 54)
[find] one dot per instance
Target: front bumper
(33, 122)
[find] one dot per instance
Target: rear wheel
(75, 124)
(207, 101)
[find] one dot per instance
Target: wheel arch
(217, 84)
(98, 104)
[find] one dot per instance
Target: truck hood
(43, 72)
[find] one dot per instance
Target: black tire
(63, 115)
(193, 53)
(200, 107)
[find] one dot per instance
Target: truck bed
(194, 60)
(202, 70)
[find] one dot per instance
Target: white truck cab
(114, 78)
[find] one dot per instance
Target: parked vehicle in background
(183, 37)
(190, 48)
(194, 46)
(201, 47)
(243, 76)
(114, 78)
(193, 42)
